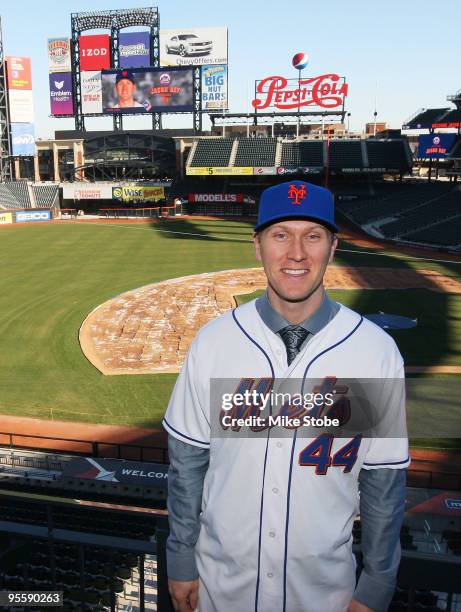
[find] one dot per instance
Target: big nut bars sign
(327, 91)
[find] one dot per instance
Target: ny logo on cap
(297, 193)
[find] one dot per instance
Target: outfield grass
(53, 275)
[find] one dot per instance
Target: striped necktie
(293, 336)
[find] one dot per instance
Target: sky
(402, 53)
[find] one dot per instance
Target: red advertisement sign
(327, 91)
(230, 198)
(19, 73)
(94, 52)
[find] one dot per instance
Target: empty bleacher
(426, 117)
(345, 154)
(213, 152)
(388, 154)
(398, 200)
(447, 206)
(45, 195)
(453, 116)
(256, 152)
(7, 199)
(447, 233)
(20, 190)
(297, 154)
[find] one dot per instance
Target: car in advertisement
(193, 47)
(188, 44)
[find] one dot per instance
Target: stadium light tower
(5, 142)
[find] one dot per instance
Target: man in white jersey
(266, 524)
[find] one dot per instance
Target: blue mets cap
(125, 74)
(296, 200)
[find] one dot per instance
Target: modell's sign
(326, 91)
(230, 198)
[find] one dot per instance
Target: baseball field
(54, 275)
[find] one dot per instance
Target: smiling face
(125, 90)
(295, 254)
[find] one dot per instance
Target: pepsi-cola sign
(327, 91)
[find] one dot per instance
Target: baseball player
(265, 524)
(125, 86)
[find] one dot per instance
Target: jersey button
(272, 534)
(270, 575)
(275, 490)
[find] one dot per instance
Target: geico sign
(216, 197)
(93, 52)
(33, 216)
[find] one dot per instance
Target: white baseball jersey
(276, 525)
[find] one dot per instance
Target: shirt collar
(313, 324)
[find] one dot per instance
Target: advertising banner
(19, 72)
(147, 90)
(6, 218)
(138, 193)
(233, 171)
(115, 470)
(61, 93)
(327, 91)
(214, 87)
(231, 198)
(134, 49)
(94, 51)
(265, 170)
(25, 216)
(59, 59)
(193, 47)
(91, 88)
(22, 139)
(94, 191)
(21, 106)
(435, 146)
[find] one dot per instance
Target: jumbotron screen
(147, 90)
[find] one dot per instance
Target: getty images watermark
(298, 409)
(373, 408)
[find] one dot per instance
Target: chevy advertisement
(193, 47)
(147, 90)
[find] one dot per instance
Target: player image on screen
(141, 90)
(125, 87)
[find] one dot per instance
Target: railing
(75, 446)
(156, 211)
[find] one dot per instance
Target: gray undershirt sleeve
(382, 508)
(188, 466)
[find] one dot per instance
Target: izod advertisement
(94, 52)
